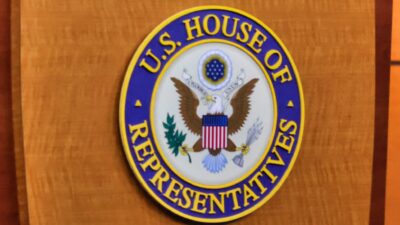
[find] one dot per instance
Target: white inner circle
(167, 102)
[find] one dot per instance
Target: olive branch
(175, 138)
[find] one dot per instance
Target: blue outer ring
(142, 82)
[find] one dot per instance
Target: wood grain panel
(73, 58)
(17, 111)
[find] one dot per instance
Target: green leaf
(176, 150)
(175, 138)
(170, 119)
(165, 125)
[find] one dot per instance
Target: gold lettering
(256, 179)
(140, 129)
(190, 28)
(225, 26)
(146, 148)
(160, 178)
(165, 40)
(151, 69)
(278, 62)
(255, 42)
(151, 162)
(206, 24)
(245, 28)
(278, 161)
(285, 142)
(171, 189)
(220, 203)
(284, 126)
(247, 194)
(187, 194)
(269, 174)
(234, 193)
(199, 200)
(284, 74)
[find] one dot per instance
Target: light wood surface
(393, 165)
(392, 206)
(73, 58)
(396, 31)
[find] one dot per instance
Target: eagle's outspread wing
(188, 103)
(241, 106)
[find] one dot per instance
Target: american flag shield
(214, 132)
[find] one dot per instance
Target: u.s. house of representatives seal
(211, 113)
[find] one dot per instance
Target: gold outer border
(123, 101)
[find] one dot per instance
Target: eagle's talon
(244, 149)
(184, 149)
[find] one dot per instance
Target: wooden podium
(69, 60)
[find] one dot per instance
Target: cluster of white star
(215, 69)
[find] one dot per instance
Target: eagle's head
(215, 104)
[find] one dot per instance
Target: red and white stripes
(214, 137)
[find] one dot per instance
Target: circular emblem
(211, 113)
